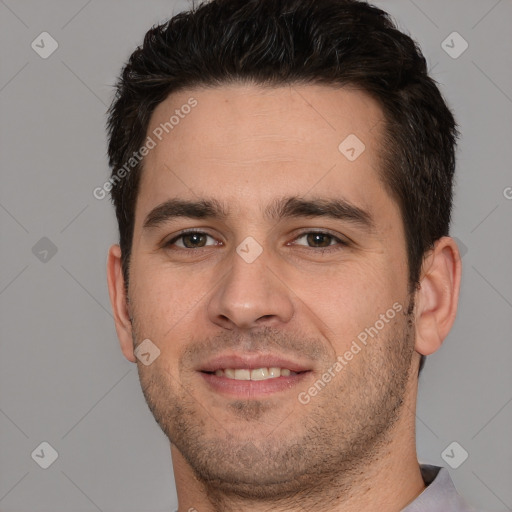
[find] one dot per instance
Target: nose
(251, 295)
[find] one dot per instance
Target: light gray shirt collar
(440, 494)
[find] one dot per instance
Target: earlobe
(438, 294)
(117, 292)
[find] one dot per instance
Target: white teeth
(259, 374)
(229, 373)
(242, 374)
(274, 372)
(255, 374)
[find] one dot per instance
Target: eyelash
(341, 243)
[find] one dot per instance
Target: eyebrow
(280, 208)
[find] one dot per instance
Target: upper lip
(251, 362)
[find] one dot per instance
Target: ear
(438, 295)
(118, 299)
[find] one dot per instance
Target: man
(282, 177)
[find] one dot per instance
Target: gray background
(63, 378)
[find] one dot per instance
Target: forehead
(245, 143)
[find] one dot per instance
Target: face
(281, 319)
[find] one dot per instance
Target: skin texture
(353, 445)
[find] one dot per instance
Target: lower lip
(252, 388)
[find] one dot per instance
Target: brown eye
(189, 240)
(193, 240)
(319, 240)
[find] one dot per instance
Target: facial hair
(278, 452)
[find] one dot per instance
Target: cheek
(350, 298)
(165, 301)
(346, 301)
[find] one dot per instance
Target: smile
(254, 374)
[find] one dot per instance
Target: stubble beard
(316, 450)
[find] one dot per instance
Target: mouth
(255, 374)
(246, 376)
